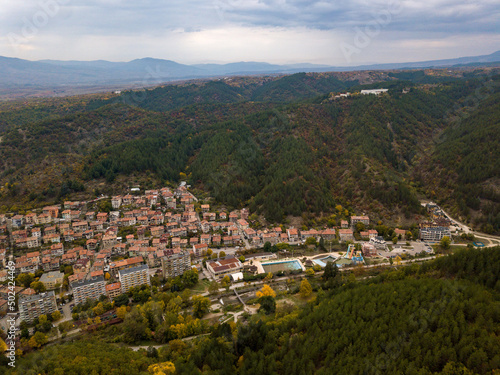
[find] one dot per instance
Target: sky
(339, 33)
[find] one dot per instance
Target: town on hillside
(82, 251)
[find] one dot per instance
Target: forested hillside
(279, 145)
(464, 169)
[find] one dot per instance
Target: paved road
(494, 240)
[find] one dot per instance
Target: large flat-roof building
(32, 306)
(132, 277)
(374, 91)
(50, 279)
(86, 289)
(222, 267)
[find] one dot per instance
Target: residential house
(52, 211)
(360, 219)
(116, 202)
(199, 249)
(293, 234)
(113, 290)
(17, 221)
(346, 235)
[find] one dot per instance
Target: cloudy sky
(333, 32)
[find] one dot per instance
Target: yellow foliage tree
(99, 309)
(305, 288)
(3, 346)
(180, 330)
(56, 315)
(107, 276)
(266, 291)
(37, 340)
(121, 312)
(164, 368)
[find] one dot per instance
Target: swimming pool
(289, 265)
(323, 261)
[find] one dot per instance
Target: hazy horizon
(273, 31)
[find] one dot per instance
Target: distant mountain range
(25, 75)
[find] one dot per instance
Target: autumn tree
(39, 339)
(305, 288)
(38, 286)
(213, 287)
(56, 315)
(121, 312)
(311, 241)
(99, 309)
(266, 290)
(135, 327)
(164, 368)
(25, 279)
(190, 278)
(201, 306)
(225, 282)
(445, 242)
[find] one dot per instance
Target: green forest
(440, 317)
(281, 146)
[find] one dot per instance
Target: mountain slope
(290, 153)
(463, 170)
(53, 77)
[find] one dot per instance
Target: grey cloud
(448, 16)
(125, 17)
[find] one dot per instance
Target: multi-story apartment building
(434, 234)
(32, 306)
(135, 276)
(86, 289)
(175, 262)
